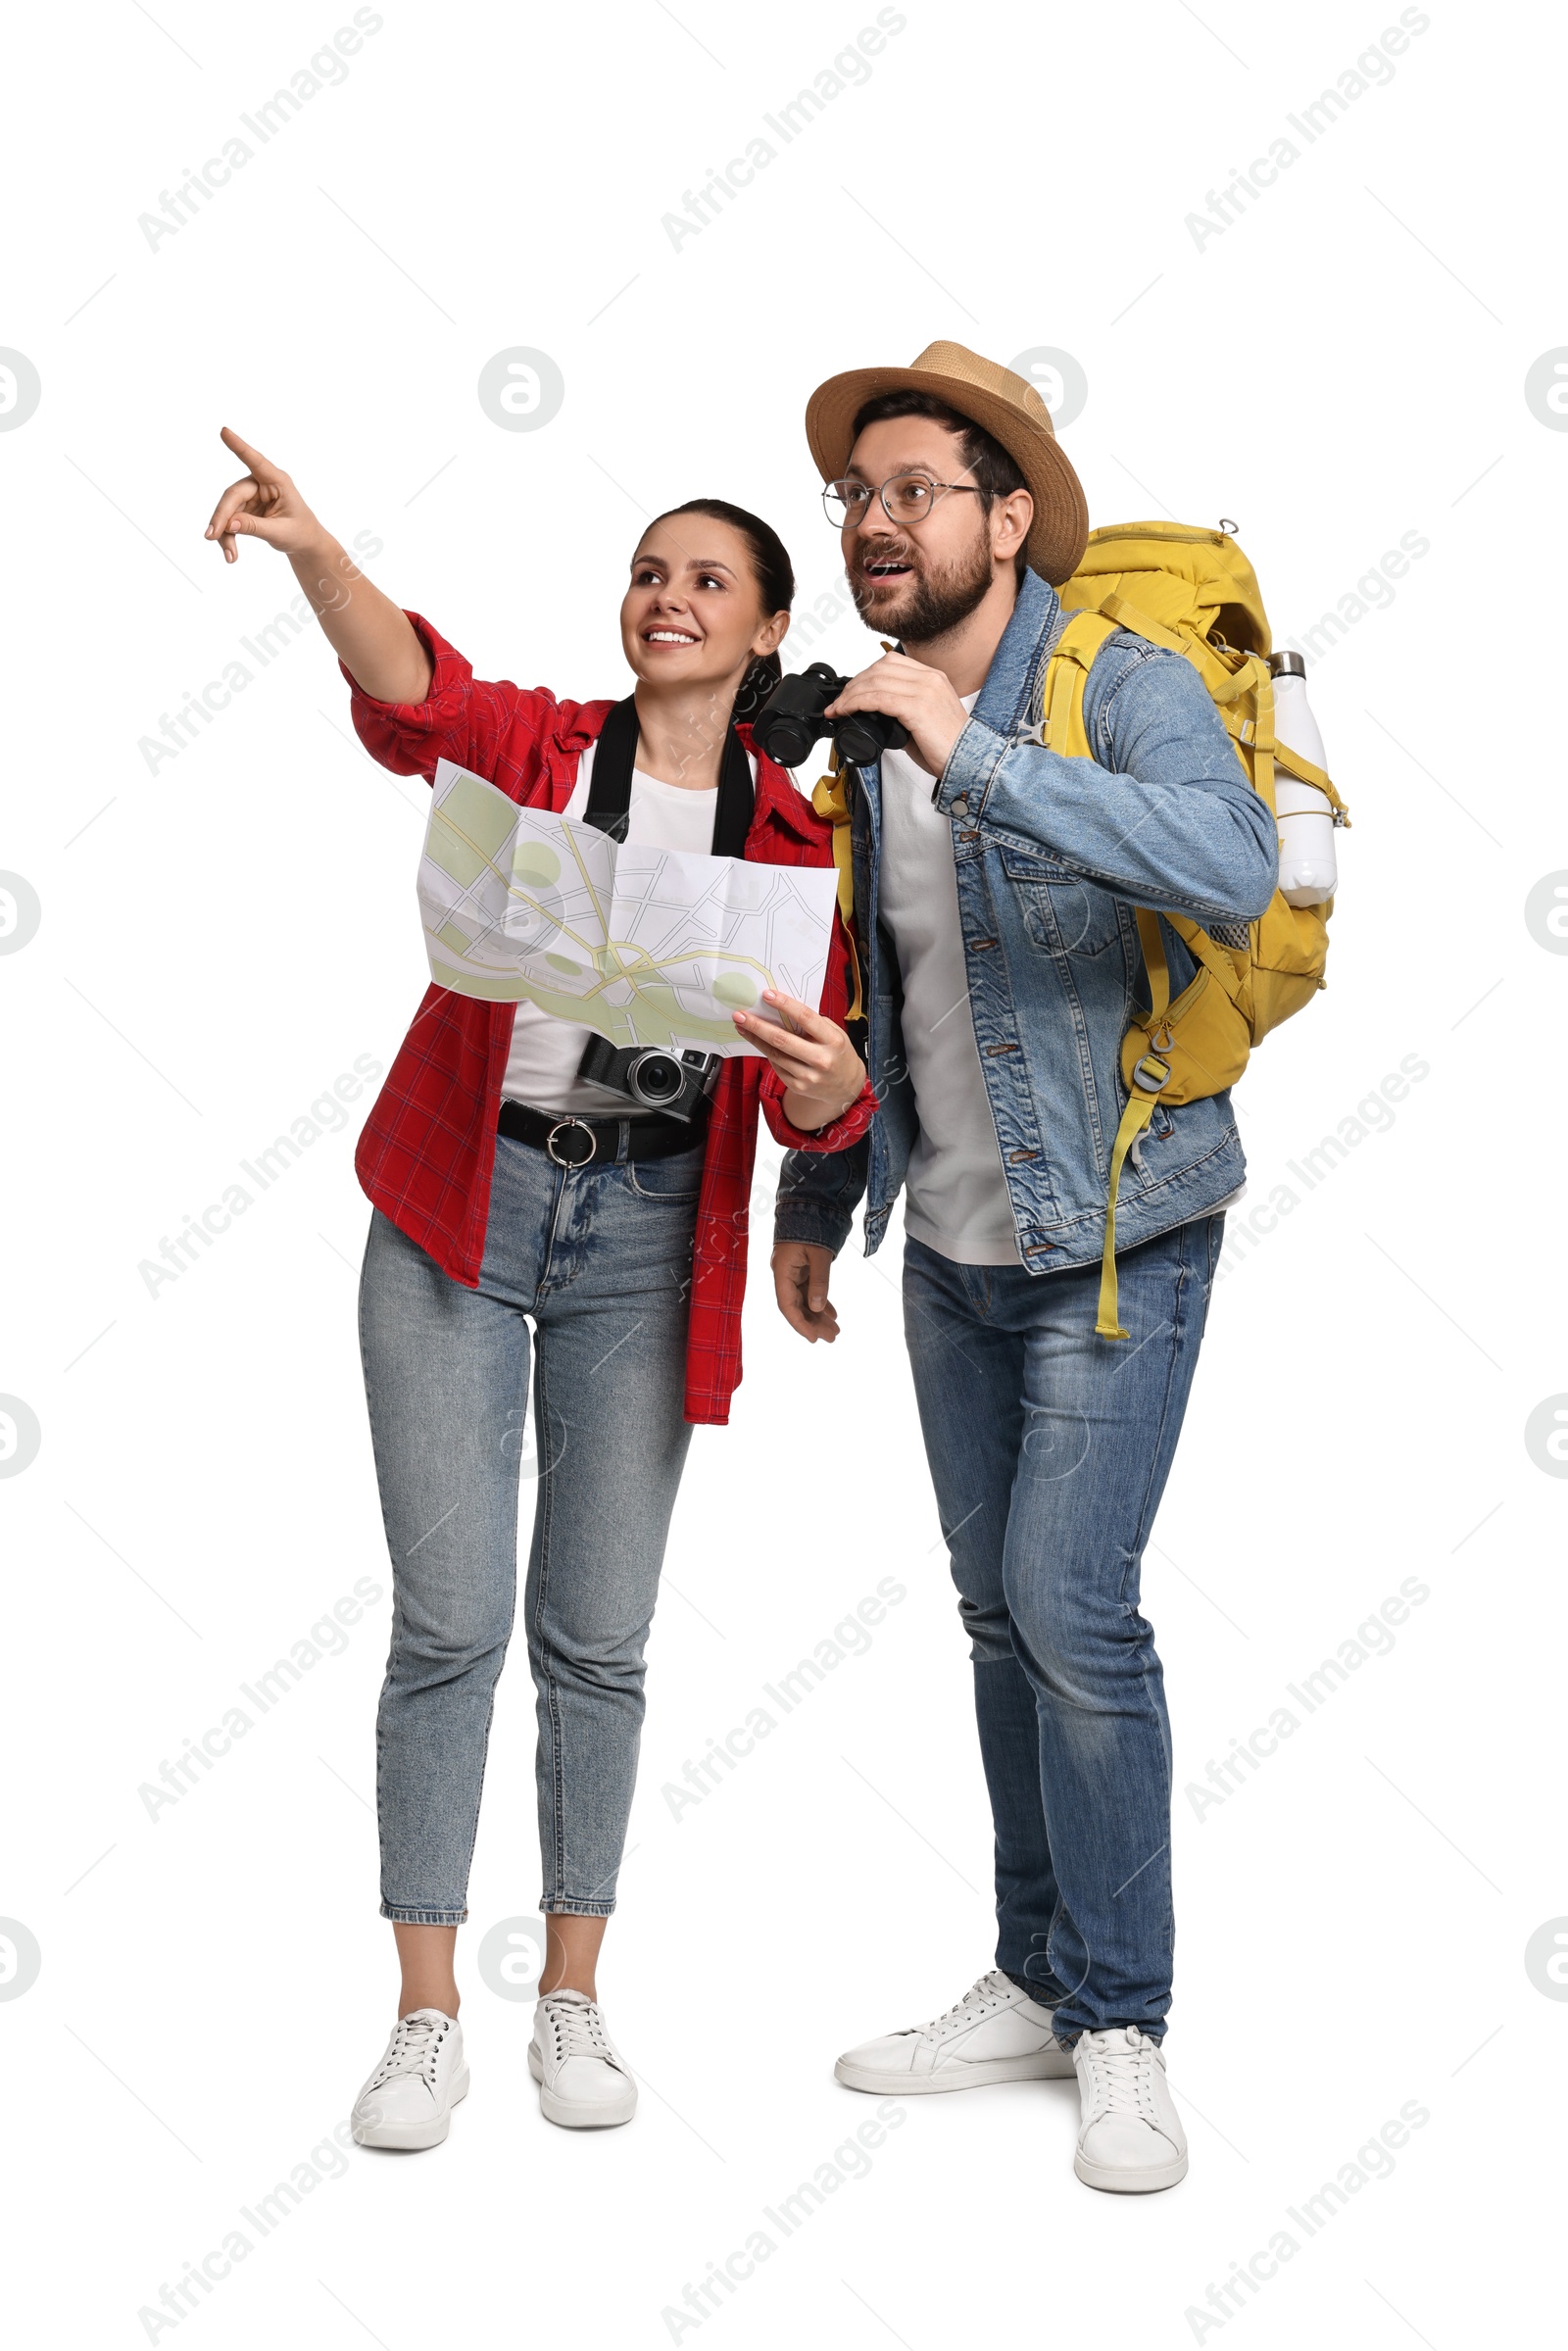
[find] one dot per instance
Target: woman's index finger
(258, 464)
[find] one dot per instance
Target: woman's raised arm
(369, 634)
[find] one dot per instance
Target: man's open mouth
(887, 567)
(669, 636)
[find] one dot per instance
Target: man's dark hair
(991, 469)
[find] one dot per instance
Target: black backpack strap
(610, 791)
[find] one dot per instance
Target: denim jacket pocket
(1062, 912)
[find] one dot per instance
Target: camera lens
(655, 1079)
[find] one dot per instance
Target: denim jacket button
(960, 808)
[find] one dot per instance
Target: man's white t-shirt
(956, 1193)
(542, 1067)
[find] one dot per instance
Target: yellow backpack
(1194, 592)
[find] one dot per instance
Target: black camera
(792, 719)
(677, 1084)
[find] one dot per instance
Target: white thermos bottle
(1308, 868)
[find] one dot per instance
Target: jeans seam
(428, 1913)
(484, 1747)
(1057, 1974)
(490, 1711)
(380, 1734)
(1181, 1335)
(546, 1510)
(1179, 1340)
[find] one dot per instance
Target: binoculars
(792, 719)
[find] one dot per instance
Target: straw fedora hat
(1003, 404)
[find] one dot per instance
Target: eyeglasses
(904, 497)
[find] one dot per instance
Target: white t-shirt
(956, 1193)
(542, 1067)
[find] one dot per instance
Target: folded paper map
(647, 945)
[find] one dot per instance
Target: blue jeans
(1049, 1450)
(599, 1259)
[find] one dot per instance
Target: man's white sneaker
(408, 2100)
(585, 2081)
(995, 2033)
(1130, 2138)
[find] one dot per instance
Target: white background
(221, 938)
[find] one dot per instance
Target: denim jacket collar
(1005, 697)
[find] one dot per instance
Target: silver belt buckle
(559, 1128)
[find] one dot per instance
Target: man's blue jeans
(1050, 1449)
(597, 1260)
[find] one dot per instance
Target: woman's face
(693, 615)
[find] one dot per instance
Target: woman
(506, 1191)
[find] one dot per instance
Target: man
(994, 889)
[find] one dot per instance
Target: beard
(929, 603)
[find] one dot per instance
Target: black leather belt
(573, 1141)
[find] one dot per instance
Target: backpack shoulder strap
(1061, 726)
(1061, 716)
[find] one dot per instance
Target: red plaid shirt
(428, 1148)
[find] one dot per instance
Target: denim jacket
(1053, 854)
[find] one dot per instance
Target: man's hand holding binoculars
(921, 699)
(896, 703)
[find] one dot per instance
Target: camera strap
(610, 791)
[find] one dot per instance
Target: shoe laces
(1121, 2064)
(578, 2029)
(414, 2048)
(986, 1993)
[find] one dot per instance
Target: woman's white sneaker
(408, 2100)
(1130, 2137)
(585, 2081)
(995, 2033)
